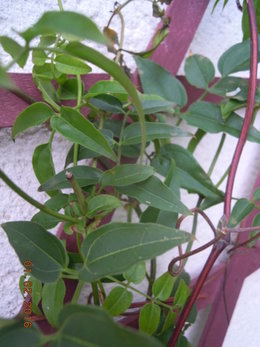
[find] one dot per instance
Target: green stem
(51, 137)
(102, 289)
(121, 138)
(129, 213)
(148, 297)
(119, 53)
(95, 293)
(220, 146)
(152, 276)
(33, 202)
(77, 292)
(78, 192)
(75, 154)
(223, 177)
(194, 229)
(60, 5)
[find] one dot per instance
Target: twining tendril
(182, 256)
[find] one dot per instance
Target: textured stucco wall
(215, 34)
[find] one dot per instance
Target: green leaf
(136, 273)
(52, 301)
(236, 58)
(115, 247)
(245, 21)
(55, 203)
(154, 193)
(169, 321)
(199, 71)
(15, 334)
(241, 209)
(76, 128)
(208, 117)
(234, 88)
(191, 176)
(5, 80)
(70, 65)
(102, 205)
(48, 92)
(166, 218)
(101, 329)
(45, 72)
(155, 103)
(107, 103)
(149, 318)
(17, 52)
(39, 57)
(33, 115)
(158, 81)
(118, 301)
(182, 294)
(68, 90)
(108, 87)
(125, 174)
(162, 286)
(43, 164)
(132, 134)
(256, 195)
(36, 295)
(230, 106)
(83, 153)
(46, 252)
(114, 70)
(85, 176)
(79, 28)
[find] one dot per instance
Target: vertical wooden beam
(185, 18)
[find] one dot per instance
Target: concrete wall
(216, 33)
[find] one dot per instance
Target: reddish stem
(249, 109)
(221, 244)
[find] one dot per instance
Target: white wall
(215, 34)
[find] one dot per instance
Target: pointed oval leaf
(85, 176)
(154, 193)
(118, 301)
(5, 81)
(236, 58)
(191, 176)
(33, 115)
(125, 174)
(79, 28)
(149, 318)
(43, 164)
(132, 134)
(163, 285)
(182, 294)
(102, 204)
(199, 71)
(76, 128)
(36, 295)
(115, 247)
(136, 273)
(17, 52)
(68, 90)
(158, 81)
(70, 65)
(52, 301)
(101, 329)
(155, 103)
(46, 252)
(256, 195)
(207, 116)
(15, 334)
(107, 103)
(241, 209)
(108, 87)
(98, 59)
